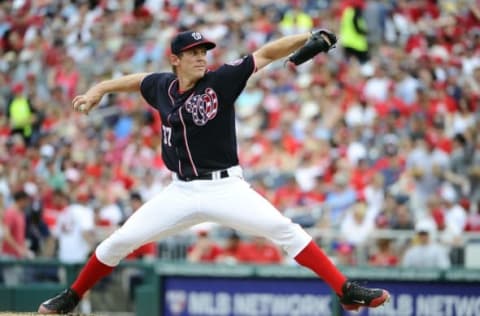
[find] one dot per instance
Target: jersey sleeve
(151, 85)
(232, 77)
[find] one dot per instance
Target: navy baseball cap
(189, 39)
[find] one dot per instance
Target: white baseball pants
(228, 201)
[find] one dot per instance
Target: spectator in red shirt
(5, 237)
(235, 250)
(287, 195)
(260, 251)
(204, 250)
(361, 175)
(384, 256)
(66, 76)
(473, 220)
(15, 222)
(344, 254)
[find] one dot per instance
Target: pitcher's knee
(291, 237)
(113, 249)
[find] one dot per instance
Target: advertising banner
(246, 297)
(427, 299)
(310, 297)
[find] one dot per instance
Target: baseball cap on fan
(189, 39)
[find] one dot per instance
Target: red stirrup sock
(316, 260)
(91, 273)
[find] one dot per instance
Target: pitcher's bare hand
(85, 102)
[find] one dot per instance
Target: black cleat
(63, 303)
(355, 296)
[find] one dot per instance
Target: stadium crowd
(371, 137)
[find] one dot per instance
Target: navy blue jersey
(198, 125)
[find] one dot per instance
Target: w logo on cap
(187, 40)
(196, 36)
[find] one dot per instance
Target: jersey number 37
(167, 135)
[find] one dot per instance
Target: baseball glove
(317, 43)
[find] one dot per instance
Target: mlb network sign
(427, 299)
(246, 297)
(311, 297)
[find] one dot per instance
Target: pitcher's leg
(115, 248)
(246, 210)
(164, 215)
(240, 207)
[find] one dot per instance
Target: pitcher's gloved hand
(321, 41)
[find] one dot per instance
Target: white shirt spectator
(215, 32)
(152, 185)
(460, 123)
(360, 116)
(306, 175)
(407, 89)
(111, 213)
(469, 64)
(456, 218)
(439, 158)
(355, 152)
(419, 158)
(431, 255)
(154, 5)
(357, 225)
(4, 191)
(376, 88)
(72, 224)
(149, 190)
(374, 197)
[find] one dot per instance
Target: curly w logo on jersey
(203, 107)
